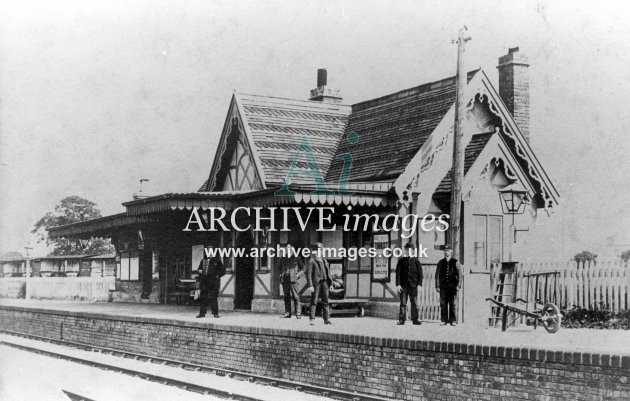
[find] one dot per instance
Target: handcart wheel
(550, 318)
(361, 311)
(504, 319)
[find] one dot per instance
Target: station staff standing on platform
(447, 282)
(319, 281)
(408, 278)
(209, 279)
(291, 269)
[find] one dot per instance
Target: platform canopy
(97, 226)
(148, 210)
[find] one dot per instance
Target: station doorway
(244, 273)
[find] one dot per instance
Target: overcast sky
(96, 95)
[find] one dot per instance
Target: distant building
(12, 264)
(75, 265)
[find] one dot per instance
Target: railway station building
(389, 155)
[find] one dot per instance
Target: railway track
(257, 379)
(75, 397)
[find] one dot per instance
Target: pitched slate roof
(11, 257)
(277, 126)
(474, 148)
(392, 129)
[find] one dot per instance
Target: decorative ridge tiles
(309, 105)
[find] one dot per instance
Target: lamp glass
(513, 201)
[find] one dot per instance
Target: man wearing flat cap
(408, 278)
(447, 282)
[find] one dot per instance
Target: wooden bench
(182, 293)
(338, 306)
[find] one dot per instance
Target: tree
(72, 209)
(585, 258)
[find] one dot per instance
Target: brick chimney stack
(514, 87)
(323, 93)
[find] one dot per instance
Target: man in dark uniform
(447, 282)
(291, 269)
(319, 281)
(408, 278)
(209, 279)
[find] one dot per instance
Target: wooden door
(244, 274)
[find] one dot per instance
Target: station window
(129, 268)
(487, 240)
(110, 268)
(358, 239)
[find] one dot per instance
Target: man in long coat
(319, 281)
(291, 269)
(408, 278)
(209, 276)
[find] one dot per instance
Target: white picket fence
(604, 284)
(428, 297)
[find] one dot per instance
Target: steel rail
(75, 397)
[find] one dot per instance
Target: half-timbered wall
(241, 173)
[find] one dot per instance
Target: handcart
(542, 309)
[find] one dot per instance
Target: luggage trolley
(541, 310)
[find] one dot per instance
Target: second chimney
(514, 87)
(322, 77)
(322, 93)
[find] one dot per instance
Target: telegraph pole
(457, 176)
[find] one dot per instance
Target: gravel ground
(576, 340)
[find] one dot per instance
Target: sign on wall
(380, 264)
(338, 279)
(196, 257)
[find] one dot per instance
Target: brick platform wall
(402, 369)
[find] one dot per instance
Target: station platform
(365, 355)
(570, 340)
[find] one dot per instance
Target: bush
(604, 318)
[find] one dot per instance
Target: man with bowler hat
(408, 278)
(447, 282)
(209, 276)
